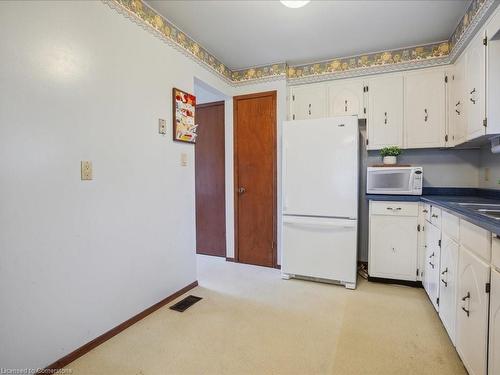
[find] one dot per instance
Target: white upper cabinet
(475, 87)
(457, 104)
(345, 98)
(425, 102)
(385, 112)
(493, 74)
(308, 102)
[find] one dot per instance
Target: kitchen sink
(495, 214)
(480, 205)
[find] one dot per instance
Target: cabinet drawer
(495, 250)
(450, 225)
(436, 216)
(394, 208)
(475, 239)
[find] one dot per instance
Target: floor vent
(186, 303)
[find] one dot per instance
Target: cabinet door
(393, 247)
(494, 355)
(346, 99)
(425, 103)
(432, 255)
(308, 102)
(385, 112)
(448, 284)
(472, 312)
(475, 87)
(457, 103)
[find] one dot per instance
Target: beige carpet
(250, 321)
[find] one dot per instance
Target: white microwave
(394, 180)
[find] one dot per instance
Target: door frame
(273, 95)
(212, 104)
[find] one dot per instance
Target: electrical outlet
(184, 159)
(162, 126)
(86, 170)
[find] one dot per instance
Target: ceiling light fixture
(294, 3)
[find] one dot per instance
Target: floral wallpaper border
(424, 54)
(173, 34)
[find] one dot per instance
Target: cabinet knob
(426, 117)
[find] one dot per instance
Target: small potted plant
(390, 154)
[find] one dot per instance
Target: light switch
(162, 126)
(86, 169)
(184, 159)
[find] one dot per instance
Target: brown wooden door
(255, 178)
(210, 180)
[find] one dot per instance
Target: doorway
(210, 180)
(255, 178)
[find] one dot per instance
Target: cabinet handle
(434, 215)
(472, 92)
(445, 271)
(467, 297)
(389, 208)
(425, 211)
(426, 117)
(458, 103)
(445, 283)
(432, 265)
(398, 208)
(430, 256)
(385, 118)
(458, 112)
(345, 107)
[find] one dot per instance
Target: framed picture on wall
(183, 109)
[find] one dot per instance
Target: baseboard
(414, 284)
(67, 359)
(228, 259)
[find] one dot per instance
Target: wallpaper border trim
(439, 53)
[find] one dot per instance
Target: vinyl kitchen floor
(250, 321)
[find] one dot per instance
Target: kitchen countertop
(449, 199)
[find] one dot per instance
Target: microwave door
(389, 182)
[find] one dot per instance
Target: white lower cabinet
(393, 241)
(448, 284)
(494, 355)
(472, 312)
(456, 273)
(431, 275)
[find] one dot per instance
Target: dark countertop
(449, 199)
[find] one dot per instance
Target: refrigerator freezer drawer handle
(318, 224)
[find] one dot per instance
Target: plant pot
(390, 160)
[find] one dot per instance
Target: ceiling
(251, 33)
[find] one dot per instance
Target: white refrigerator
(320, 199)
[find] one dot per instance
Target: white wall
(442, 168)
(79, 81)
(489, 173)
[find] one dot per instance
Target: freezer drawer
(320, 247)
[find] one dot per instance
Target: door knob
(241, 190)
